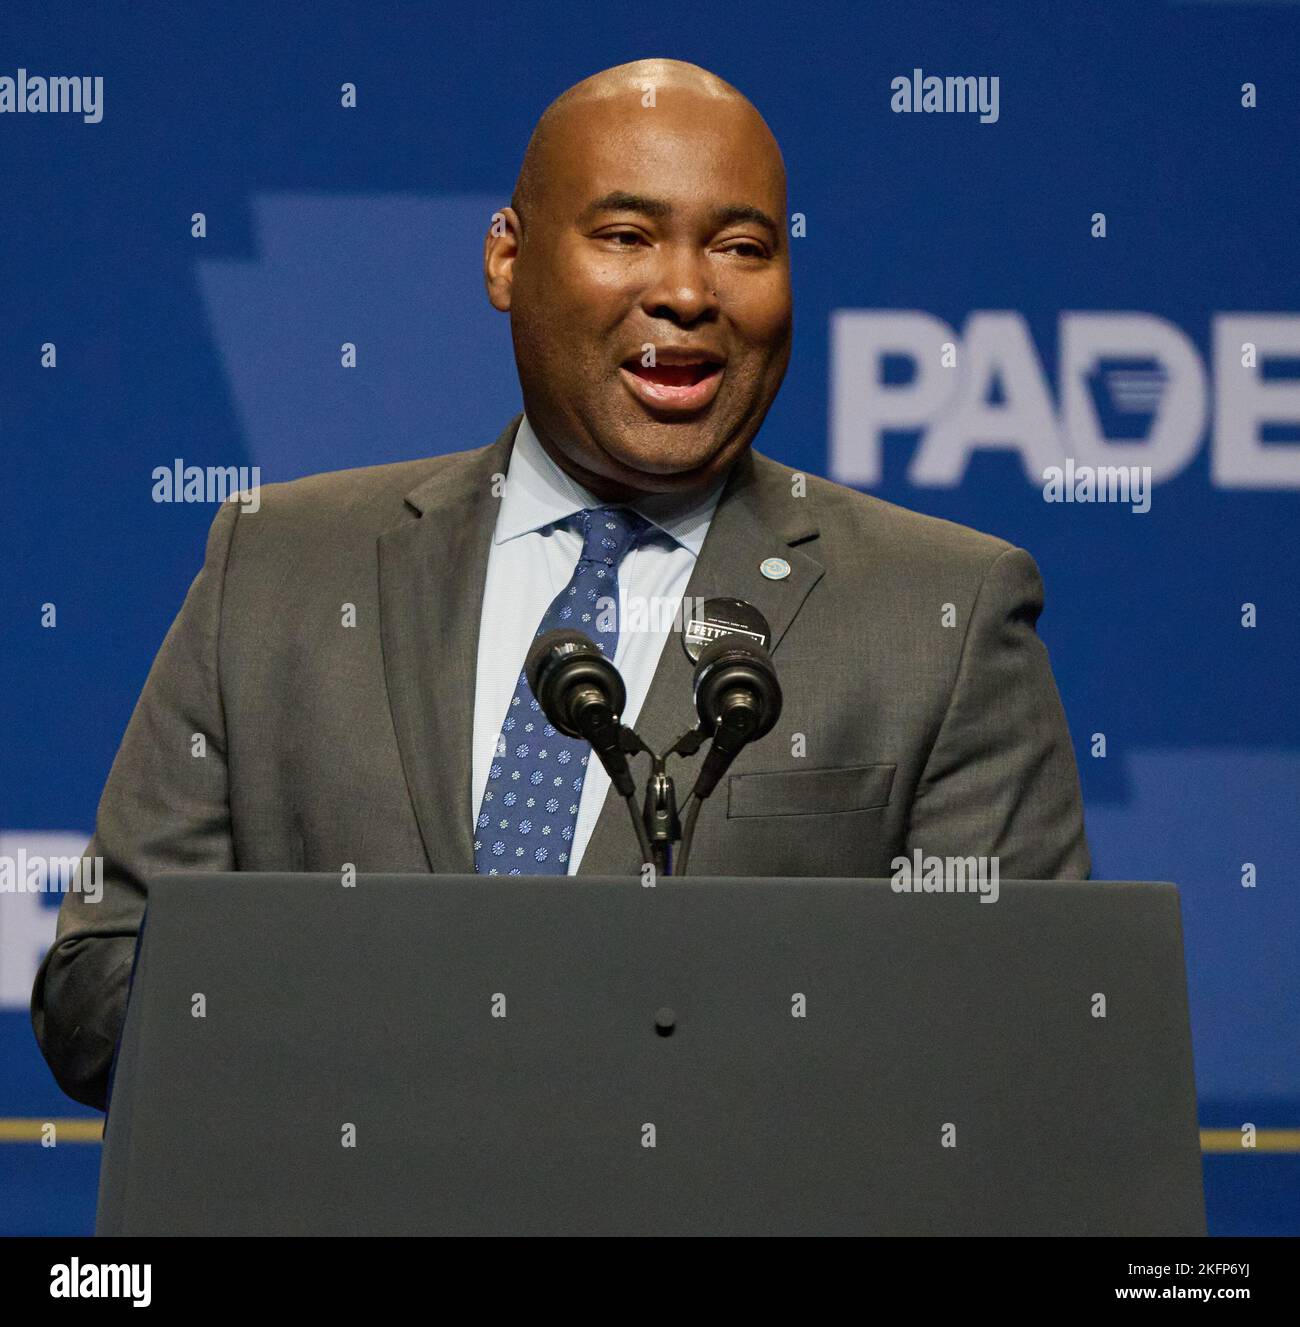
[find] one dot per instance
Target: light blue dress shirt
(531, 561)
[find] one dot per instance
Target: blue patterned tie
(530, 805)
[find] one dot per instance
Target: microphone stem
(693, 805)
(638, 824)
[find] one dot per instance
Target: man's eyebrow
(728, 216)
(620, 201)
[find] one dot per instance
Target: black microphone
(581, 693)
(738, 699)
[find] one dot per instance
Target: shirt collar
(538, 493)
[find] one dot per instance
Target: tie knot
(609, 532)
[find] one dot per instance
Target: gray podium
(466, 1055)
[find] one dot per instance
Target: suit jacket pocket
(805, 792)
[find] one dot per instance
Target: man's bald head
(640, 81)
(645, 267)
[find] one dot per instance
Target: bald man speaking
(645, 268)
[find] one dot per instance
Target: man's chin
(630, 456)
(663, 470)
(678, 453)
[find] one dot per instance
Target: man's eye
(625, 238)
(747, 249)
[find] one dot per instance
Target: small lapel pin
(775, 569)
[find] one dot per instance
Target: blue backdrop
(1177, 125)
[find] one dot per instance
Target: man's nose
(681, 289)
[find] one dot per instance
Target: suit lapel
(756, 518)
(431, 574)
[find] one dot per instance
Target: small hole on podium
(665, 1021)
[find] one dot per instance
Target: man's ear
(500, 249)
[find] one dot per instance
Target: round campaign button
(715, 618)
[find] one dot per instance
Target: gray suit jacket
(328, 744)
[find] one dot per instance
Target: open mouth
(686, 386)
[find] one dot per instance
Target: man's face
(650, 296)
